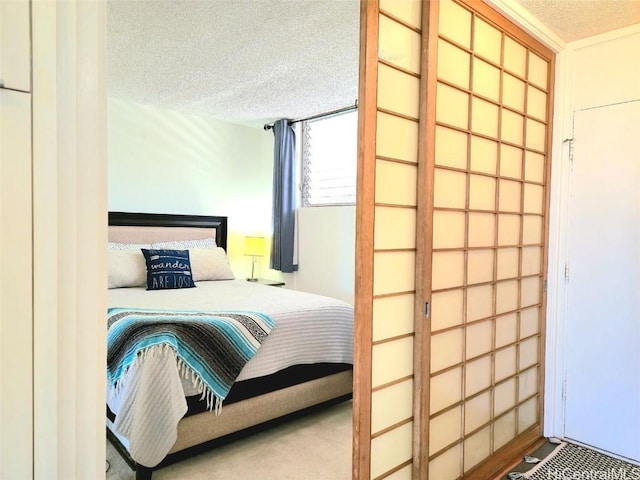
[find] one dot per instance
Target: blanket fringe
(214, 402)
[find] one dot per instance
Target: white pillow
(186, 244)
(127, 268)
(210, 264)
(127, 246)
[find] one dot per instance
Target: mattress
(308, 329)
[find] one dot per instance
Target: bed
(158, 413)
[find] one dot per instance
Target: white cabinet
(16, 251)
(15, 48)
(16, 299)
(16, 245)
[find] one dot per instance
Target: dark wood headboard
(172, 220)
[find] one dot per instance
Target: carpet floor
(318, 447)
(313, 447)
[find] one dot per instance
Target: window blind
(329, 160)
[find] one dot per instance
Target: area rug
(571, 462)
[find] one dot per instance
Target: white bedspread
(309, 329)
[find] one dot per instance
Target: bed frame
(203, 431)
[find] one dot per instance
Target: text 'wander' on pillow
(168, 269)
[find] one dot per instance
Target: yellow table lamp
(253, 247)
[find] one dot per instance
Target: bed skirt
(201, 431)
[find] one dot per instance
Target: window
(329, 160)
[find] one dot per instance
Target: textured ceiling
(253, 61)
(577, 19)
(244, 61)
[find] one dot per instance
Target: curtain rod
(320, 115)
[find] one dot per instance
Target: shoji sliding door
(488, 209)
(389, 121)
(452, 212)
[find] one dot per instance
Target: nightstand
(264, 281)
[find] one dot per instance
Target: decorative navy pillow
(168, 269)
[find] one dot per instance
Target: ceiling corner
(518, 14)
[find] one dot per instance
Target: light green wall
(164, 161)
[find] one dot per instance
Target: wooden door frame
(363, 302)
(424, 239)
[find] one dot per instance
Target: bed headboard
(150, 227)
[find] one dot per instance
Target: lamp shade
(253, 246)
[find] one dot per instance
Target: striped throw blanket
(211, 347)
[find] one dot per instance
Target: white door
(602, 406)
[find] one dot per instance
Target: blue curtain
(284, 198)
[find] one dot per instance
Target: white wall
(164, 161)
(326, 255)
(606, 69)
